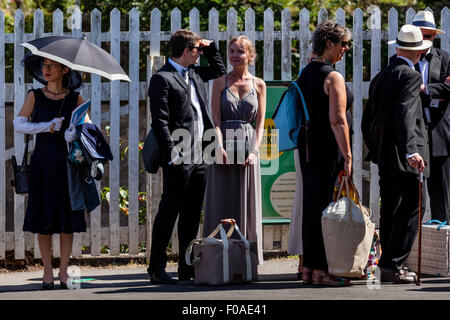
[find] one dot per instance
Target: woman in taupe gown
(238, 106)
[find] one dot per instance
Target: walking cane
(419, 249)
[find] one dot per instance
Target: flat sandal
(330, 280)
(306, 275)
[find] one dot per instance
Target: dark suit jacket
(393, 124)
(169, 104)
(439, 128)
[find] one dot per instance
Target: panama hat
(425, 20)
(410, 38)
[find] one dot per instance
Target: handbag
(21, 181)
(374, 257)
(83, 192)
(224, 260)
(347, 234)
(76, 154)
(150, 153)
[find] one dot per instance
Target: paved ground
(277, 282)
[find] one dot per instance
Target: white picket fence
(113, 92)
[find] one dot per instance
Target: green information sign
(278, 177)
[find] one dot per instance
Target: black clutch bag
(22, 172)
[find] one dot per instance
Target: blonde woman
(234, 182)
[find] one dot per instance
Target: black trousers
(399, 215)
(182, 197)
(439, 188)
(318, 183)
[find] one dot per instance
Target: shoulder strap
(305, 109)
(226, 80)
(27, 136)
(25, 153)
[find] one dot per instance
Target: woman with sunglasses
(49, 210)
(327, 99)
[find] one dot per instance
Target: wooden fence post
(114, 165)
(153, 65)
(133, 134)
(96, 118)
(375, 67)
(2, 140)
(19, 98)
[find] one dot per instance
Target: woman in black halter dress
(49, 210)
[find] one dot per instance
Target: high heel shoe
(48, 286)
(63, 285)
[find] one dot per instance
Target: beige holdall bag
(224, 260)
(347, 234)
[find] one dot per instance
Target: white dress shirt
(424, 66)
(196, 103)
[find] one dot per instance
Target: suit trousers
(399, 215)
(439, 188)
(182, 197)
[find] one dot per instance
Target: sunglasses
(427, 36)
(48, 65)
(198, 48)
(345, 43)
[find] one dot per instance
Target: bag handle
(222, 223)
(439, 223)
(25, 153)
(187, 254)
(358, 198)
(248, 261)
(27, 138)
(348, 180)
(343, 182)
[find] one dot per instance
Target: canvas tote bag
(222, 261)
(347, 234)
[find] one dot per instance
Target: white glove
(22, 125)
(57, 122)
(71, 134)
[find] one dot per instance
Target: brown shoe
(399, 276)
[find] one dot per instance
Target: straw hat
(410, 38)
(425, 20)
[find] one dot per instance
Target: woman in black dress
(48, 210)
(327, 99)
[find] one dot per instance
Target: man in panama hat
(396, 135)
(434, 66)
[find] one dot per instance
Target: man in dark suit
(179, 110)
(434, 66)
(396, 136)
